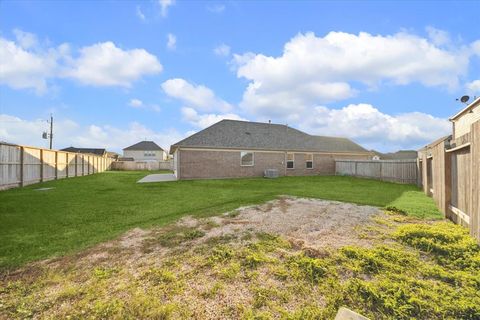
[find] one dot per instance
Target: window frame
(149, 153)
(292, 161)
(241, 158)
(307, 161)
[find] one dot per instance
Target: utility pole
(51, 130)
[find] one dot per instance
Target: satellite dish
(464, 99)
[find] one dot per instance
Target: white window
(246, 158)
(309, 161)
(290, 161)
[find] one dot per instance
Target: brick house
(232, 149)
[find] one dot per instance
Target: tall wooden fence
(21, 165)
(451, 176)
(402, 171)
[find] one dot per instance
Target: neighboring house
(112, 155)
(233, 148)
(145, 151)
(95, 151)
(463, 120)
(399, 155)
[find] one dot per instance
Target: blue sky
(385, 74)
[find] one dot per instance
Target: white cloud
(138, 104)
(315, 70)
(164, 4)
(205, 120)
(25, 39)
(140, 14)
(104, 64)
(22, 69)
(371, 128)
(68, 133)
(216, 8)
(222, 50)
(171, 41)
(437, 36)
(473, 87)
(135, 103)
(25, 64)
(196, 96)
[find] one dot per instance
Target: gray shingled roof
(144, 145)
(264, 136)
(399, 155)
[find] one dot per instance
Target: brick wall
(200, 164)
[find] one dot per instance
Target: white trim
(465, 145)
(253, 159)
(459, 213)
(464, 109)
(307, 161)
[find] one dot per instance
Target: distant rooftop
(144, 145)
(97, 151)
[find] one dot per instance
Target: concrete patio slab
(158, 178)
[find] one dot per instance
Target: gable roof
(234, 134)
(475, 102)
(97, 151)
(399, 155)
(144, 145)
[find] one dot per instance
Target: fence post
(22, 151)
(41, 165)
(56, 165)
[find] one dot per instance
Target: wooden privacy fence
(451, 176)
(143, 165)
(21, 165)
(403, 171)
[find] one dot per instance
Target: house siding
(461, 126)
(201, 164)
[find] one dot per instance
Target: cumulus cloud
(437, 36)
(205, 120)
(216, 8)
(69, 133)
(374, 129)
(164, 5)
(140, 14)
(25, 64)
(222, 50)
(138, 104)
(25, 39)
(21, 68)
(313, 67)
(171, 41)
(135, 103)
(104, 64)
(473, 87)
(195, 96)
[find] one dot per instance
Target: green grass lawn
(83, 211)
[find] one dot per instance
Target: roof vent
(246, 132)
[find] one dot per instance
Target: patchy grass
(425, 270)
(83, 211)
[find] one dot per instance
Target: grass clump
(449, 244)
